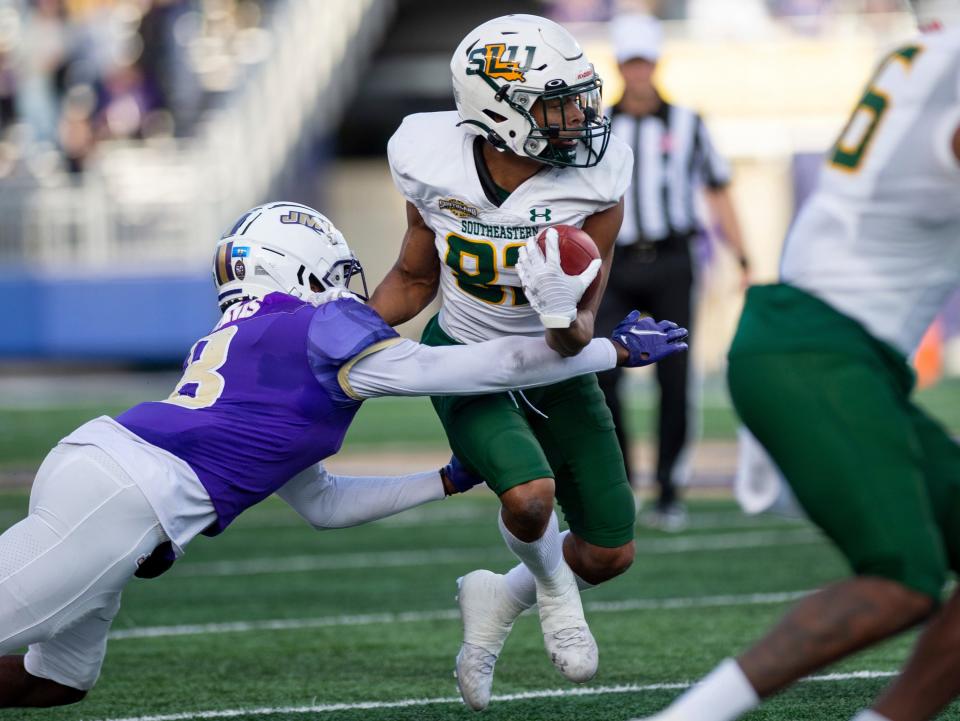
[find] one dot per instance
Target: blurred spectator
(126, 98)
(165, 63)
(565, 11)
(709, 18)
(782, 8)
(7, 91)
(77, 72)
(798, 7)
(77, 136)
(41, 57)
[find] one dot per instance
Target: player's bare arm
(603, 228)
(413, 281)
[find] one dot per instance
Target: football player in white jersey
(527, 148)
(818, 372)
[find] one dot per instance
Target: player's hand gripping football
(642, 341)
(551, 292)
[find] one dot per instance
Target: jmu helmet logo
(297, 217)
(499, 60)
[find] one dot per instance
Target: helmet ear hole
(315, 285)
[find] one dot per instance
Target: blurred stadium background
(133, 131)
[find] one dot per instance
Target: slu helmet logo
(541, 214)
(498, 60)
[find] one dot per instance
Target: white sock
(523, 586)
(723, 695)
(543, 556)
(869, 715)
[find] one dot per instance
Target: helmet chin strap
(492, 136)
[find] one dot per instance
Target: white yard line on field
(418, 702)
(432, 557)
(289, 624)
(430, 515)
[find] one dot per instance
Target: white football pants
(63, 567)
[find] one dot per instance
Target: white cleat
(488, 612)
(474, 674)
(568, 640)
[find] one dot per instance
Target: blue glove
(648, 341)
(459, 477)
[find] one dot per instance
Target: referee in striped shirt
(653, 266)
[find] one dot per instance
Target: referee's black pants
(656, 280)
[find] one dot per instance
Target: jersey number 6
(852, 146)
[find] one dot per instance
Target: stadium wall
(152, 319)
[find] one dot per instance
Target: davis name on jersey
(880, 238)
(433, 165)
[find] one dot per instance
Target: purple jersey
(259, 400)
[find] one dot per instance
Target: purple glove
(461, 479)
(648, 341)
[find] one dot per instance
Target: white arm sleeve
(328, 501)
(411, 369)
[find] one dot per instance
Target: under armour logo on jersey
(544, 215)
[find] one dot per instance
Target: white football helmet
(285, 247)
(503, 67)
(935, 14)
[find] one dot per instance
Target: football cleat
(566, 636)
(474, 674)
(488, 612)
(671, 518)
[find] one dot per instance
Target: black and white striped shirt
(673, 157)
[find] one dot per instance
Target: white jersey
(880, 238)
(433, 165)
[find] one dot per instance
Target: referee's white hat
(637, 36)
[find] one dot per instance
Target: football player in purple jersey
(264, 398)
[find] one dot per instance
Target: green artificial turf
(27, 433)
(343, 594)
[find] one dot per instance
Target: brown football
(577, 249)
